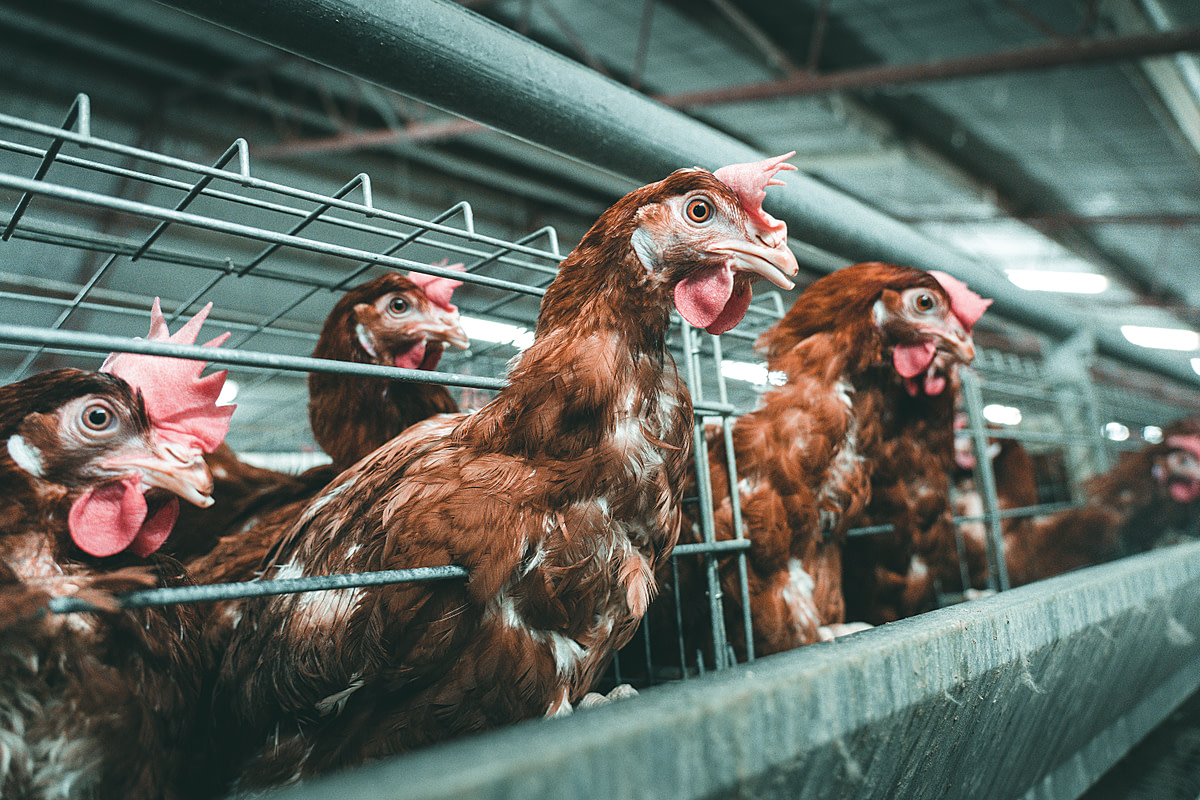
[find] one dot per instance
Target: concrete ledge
(1037, 690)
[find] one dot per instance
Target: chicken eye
(924, 302)
(699, 210)
(98, 417)
(398, 305)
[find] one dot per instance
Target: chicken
(392, 320)
(99, 704)
(866, 351)
(1150, 496)
(560, 498)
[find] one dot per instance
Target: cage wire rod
(691, 353)
(340, 285)
(360, 181)
(79, 113)
(140, 312)
(973, 400)
(708, 548)
(679, 618)
(99, 343)
(265, 205)
(1023, 391)
(249, 181)
(529, 237)
(212, 592)
(735, 502)
(239, 149)
(63, 316)
(248, 232)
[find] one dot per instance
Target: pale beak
(776, 264)
(176, 468)
(954, 342)
(444, 327)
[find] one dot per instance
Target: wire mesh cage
(130, 224)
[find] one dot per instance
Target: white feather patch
(27, 457)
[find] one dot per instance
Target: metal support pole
(973, 399)
(691, 352)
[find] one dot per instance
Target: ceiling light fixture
(1116, 431)
(1002, 415)
(1036, 280)
(229, 392)
(1162, 338)
(758, 374)
(486, 330)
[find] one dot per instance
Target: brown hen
(560, 497)
(861, 348)
(101, 703)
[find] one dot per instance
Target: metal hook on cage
(361, 180)
(78, 116)
(239, 149)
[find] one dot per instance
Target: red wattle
(412, 357)
(913, 358)
(106, 520)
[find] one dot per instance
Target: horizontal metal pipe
(1057, 54)
(446, 56)
(100, 343)
(212, 592)
(991, 698)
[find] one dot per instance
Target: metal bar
(86, 140)
(691, 350)
(706, 548)
(983, 699)
(212, 592)
(1071, 53)
(422, 227)
(79, 112)
(735, 503)
(239, 149)
(973, 400)
(364, 140)
(97, 343)
(245, 231)
(444, 55)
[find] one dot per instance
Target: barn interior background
(266, 154)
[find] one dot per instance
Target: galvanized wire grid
(132, 223)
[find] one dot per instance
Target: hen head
(697, 239)
(395, 321)
(89, 435)
(1177, 466)
(920, 321)
(117, 452)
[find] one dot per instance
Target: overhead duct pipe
(442, 54)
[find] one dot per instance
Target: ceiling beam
(1058, 54)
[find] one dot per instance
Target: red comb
(966, 306)
(750, 182)
(181, 405)
(436, 288)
